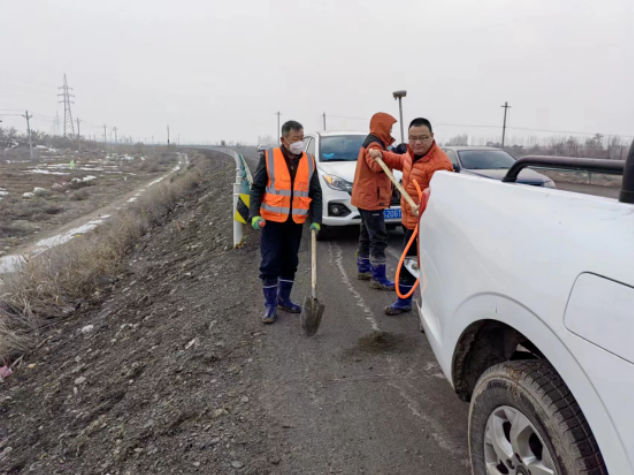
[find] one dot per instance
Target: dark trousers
(279, 245)
(373, 236)
(405, 277)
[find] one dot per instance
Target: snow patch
(46, 172)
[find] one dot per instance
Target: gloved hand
(315, 226)
(258, 222)
(375, 153)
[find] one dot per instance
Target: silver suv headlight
(550, 184)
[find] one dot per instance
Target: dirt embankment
(162, 377)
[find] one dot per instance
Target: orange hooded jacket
(420, 171)
(372, 189)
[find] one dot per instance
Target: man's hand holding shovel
(377, 155)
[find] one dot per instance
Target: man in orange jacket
(371, 194)
(285, 194)
(422, 160)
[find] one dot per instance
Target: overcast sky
(220, 69)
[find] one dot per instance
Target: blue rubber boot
(270, 302)
(401, 305)
(379, 280)
(365, 269)
(284, 288)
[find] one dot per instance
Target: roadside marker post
(241, 194)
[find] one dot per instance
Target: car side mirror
(456, 168)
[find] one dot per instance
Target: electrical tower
(55, 127)
(67, 100)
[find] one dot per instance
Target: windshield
(339, 148)
(485, 159)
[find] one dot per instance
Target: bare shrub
(13, 231)
(80, 195)
(53, 209)
(19, 209)
(150, 166)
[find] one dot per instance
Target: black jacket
(400, 149)
(261, 179)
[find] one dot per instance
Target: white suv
(336, 156)
(528, 304)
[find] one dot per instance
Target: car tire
(524, 406)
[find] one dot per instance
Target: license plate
(392, 213)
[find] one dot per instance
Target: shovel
(398, 186)
(313, 309)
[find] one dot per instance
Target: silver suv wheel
(512, 445)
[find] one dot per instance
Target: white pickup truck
(528, 304)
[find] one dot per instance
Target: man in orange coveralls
(371, 194)
(422, 160)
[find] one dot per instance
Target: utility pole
(114, 129)
(105, 136)
(78, 135)
(324, 116)
(168, 138)
(67, 101)
(152, 143)
(279, 134)
(400, 95)
(28, 128)
(506, 107)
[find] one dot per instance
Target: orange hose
(409, 244)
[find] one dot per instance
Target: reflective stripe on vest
(279, 192)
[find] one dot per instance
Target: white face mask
(297, 147)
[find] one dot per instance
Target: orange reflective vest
(276, 204)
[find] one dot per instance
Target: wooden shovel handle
(398, 186)
(313, 262)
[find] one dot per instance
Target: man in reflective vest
(285, 194)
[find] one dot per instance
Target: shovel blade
(310, 317)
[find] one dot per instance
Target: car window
(340, 148)
(310, 145)
(486, 159)
(452, 156)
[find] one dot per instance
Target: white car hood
(345, 170)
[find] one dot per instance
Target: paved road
(357, 411)
(590, 190)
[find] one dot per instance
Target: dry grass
(52, 285)
(80, 195)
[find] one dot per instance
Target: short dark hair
(291, 125)
(419, 122)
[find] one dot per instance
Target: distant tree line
(597, 146)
